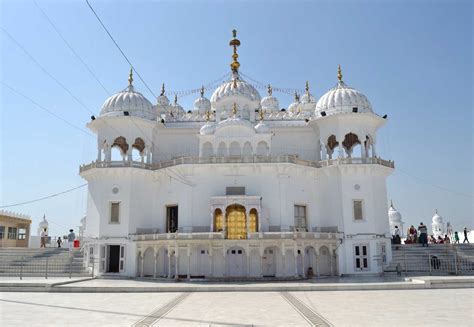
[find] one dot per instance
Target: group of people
(420, 236)
(70, 239)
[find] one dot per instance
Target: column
(259, 212)
(323, 152)
(303, 261)
(341, 150)
(248, 262)
(316, 261)
(224, 252)
(148, 156)
(331, 260)
(261, 261)
(99, 154)
(295, 254)
(156, 262)
(129, 154)
(108, 153)
(363, 150)
(212, 219)
(169, 263)
(141, 265)
(211, 263)
(189, 262)
(247, 213)
(374, 153)
(176, 259)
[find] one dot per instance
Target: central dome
(235, 87)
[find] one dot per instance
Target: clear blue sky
(413, 59)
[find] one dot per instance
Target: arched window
(262, 148)
(236, 222)
(247, 150)
(234, 149)
(350, 141)
(218, 220)
(121, 144)
(207, 150)
(331, 145)
(253, 220)
(222, 150)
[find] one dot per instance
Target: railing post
(429, 262)
(405, 262)
(455, 262)
(21, 267)
(70, 267)
(46, 270)
(93, 265)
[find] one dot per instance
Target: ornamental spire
(202, 91)
(270, 90)
(234, 43)
(339, 73)
(234, 109)
(162, 89)
(175, 99)
(130, 77)
(307, 87)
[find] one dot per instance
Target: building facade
(237, 187)
(14, 229)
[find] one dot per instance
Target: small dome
(43, 223)
(270, 102)
(343, 99)
(162, 100)
(393, 215)
(202, 104)
(295, 106)
(437, 219)
(176, 107)
(235, 87)
(207, 129)
(128, 100)
(261, 128)
(307, 96)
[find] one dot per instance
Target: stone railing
(221, 236)
(237, 159)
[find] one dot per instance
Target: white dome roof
(207, 129)
(270, 102)
(261, 128)
(235, 87)
(128, 100)
(307, 96)
(162, 99)
(437, 219)
(43, 223)
(342, 99)
(293, 107)
(176, 107)
(202, 104)
(393, 215)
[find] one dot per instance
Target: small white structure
(237, 187)
(35, 240)
(395, 219)
(437, 225)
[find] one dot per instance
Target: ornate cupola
(270, 103)
(308, 101)
(202, 104)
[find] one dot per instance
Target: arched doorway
(309, 260)
(324, 261)
(199, 262)
(269, 262)
(218, 220)
(149, 263)
(253, 220)
(236, 262)
(236, 223)
(162, 262)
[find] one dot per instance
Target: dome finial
(162, 89)
(175, 99)
(391, 203)
(297, 97)
(436, 211)
(130, 77)
(234, 109)
(208, 115)
(339, 73)
(270, 90)
(260, 114)
(234, 43)
(307, 87)
(202, 91)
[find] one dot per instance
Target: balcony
(292, 159)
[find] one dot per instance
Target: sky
(413, 60)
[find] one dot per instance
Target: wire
(43, 198)
(70, 48)
(45, 109)
(121, 51)
(434, 185)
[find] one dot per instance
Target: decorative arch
(207, 150)
(236, 222)
(253, 220)
(139, 144)
(218, 220)
(262, 148)
(149, 262)
(121, 143)
(222, 150)
(324, 261)
(350, 141)
(234, 149)
(331, 144)
(247, 150)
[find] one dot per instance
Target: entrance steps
(41, 262)
(448, 259)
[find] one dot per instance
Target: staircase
(436, 259)
(54, 262)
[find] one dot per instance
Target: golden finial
(234, 109)
(234, 83)
(234, 43)
(339, 73)
(307, 87)
(202, 91)
(130, 77)
(391, 203)
(162, 89)
(175, 99)
(208, 115)
(270, 90)
(261, 113)
(297, 97)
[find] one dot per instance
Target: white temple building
(238, 187)
(395, 220)
(437, 225)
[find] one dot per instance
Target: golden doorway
(253, 221)
(236, 222)
(218, 221)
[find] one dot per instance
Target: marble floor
(441, 307)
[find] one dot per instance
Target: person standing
(44, 237)
(59, 241)
(456, 238)
(70, 239)
(423, 238)
(465, 236)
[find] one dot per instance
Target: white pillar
(248, 263)
(99, 154)
(141, 265)
(154, 267)
(189, 262)
(323, 152)
(316, 261)
(176, 271)
(169, 263)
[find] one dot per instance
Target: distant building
(14, 229)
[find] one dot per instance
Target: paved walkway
(442, 307)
